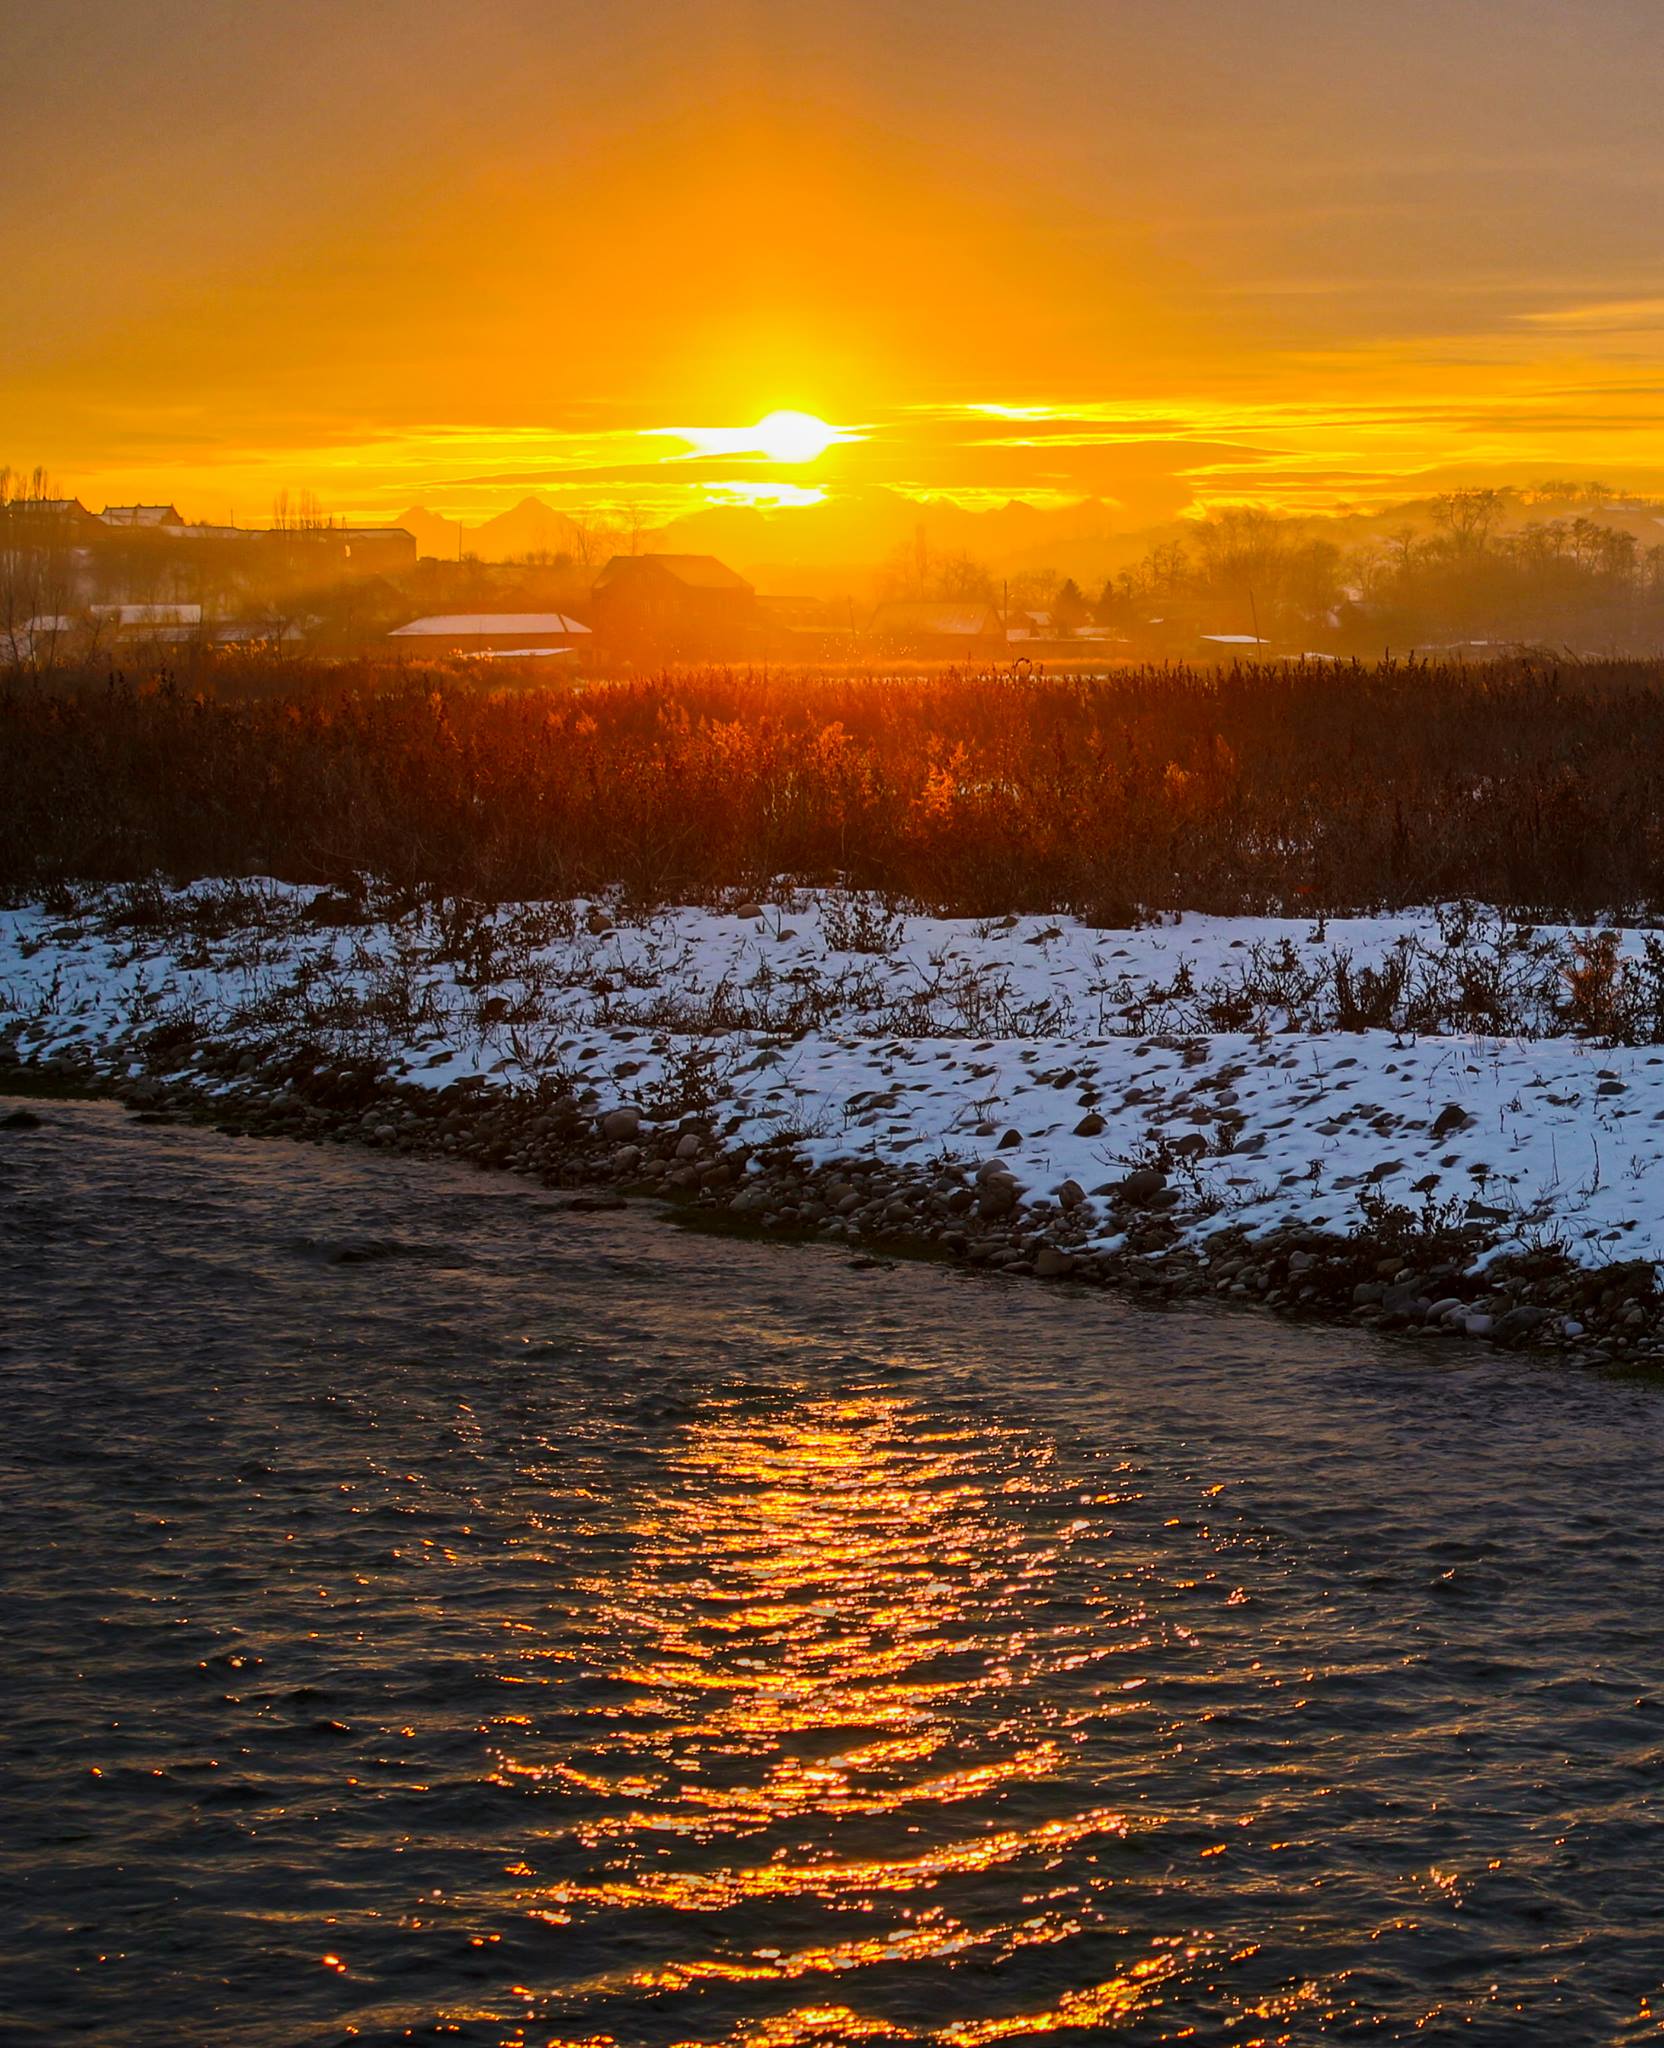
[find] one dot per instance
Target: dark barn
(673, 608)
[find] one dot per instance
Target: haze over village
(1571, 566)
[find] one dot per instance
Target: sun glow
(794, 436)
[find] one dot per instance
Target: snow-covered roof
(519, 653)
(1234, 639)
(478, 625)
(139, 515)
(149, 614)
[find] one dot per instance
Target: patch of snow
(858, 1030)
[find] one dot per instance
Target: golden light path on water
(834, 1633)
(609, 1637)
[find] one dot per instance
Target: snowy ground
(1224, 1049)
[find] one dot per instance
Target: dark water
(428, 1614)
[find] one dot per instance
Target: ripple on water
(432, 1613)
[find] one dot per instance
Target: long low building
(499, 634)
(966, 630)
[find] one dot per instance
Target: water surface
(431, 1613)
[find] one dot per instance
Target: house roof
(53, 508)
(149, 614)
(956, 621)
(481, 625)
(139, 515)
(698, 572)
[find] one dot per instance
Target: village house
(142, 518)
(491, 635)
(129, 623)
(673, 608)
(48, 522)
(958, 631)
(315, 551)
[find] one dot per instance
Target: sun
(793, 436)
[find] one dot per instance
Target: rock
(749, 910)
(1090, 1125)
(1143, 1184)
(598, 924)
(20, 1120)
(1052, 1264)
(687, 1145)
(1478, 1325)
(1300, 1262)
(621, 1123)
(998, 1198)
(1010, 1141)
(1442, 1311)
(1520, 1323)
(1070, 1196)
(1453, 1117)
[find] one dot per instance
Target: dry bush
(1266, 788)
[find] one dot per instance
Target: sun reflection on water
(806, 1708)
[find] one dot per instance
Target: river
(436, 1612)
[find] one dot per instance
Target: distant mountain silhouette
(433, 535)
(861, 528)
(853, 531)
(529, 528)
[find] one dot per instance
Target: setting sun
(794, 436)
(784, 436)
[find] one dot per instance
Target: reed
(1296, 789)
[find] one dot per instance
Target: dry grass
(1261, 789)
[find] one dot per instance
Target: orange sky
(1156, 251)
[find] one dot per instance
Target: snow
(449, 625)
(862, 1030)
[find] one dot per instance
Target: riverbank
(1423, 1121)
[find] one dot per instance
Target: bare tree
(37, 572)
(298, 512)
